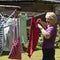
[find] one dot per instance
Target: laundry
(2, 21)
(23, 30)
(33, 37)
(15, 52)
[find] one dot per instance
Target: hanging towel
(2, 22)
(33, 37)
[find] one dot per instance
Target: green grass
(37, 55)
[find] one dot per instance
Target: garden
(37, 55)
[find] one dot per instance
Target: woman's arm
(44, 32)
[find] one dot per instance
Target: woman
(49, 35)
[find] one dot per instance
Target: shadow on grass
(37, 48)
(24, 48)
(5, 53)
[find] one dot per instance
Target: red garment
(15, 52)
(33, 37)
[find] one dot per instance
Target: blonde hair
(52, 16)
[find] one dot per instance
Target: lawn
(37, 55)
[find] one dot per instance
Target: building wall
(57, 11)
(36, 6)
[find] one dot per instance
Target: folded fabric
(33, 37)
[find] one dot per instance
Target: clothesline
(39, 14)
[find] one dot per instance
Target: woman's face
(49, 21)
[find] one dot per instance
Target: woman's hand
(39, 26)
(42, 23)
(39, 20)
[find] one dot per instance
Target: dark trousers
(48, 54)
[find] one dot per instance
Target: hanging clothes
(1, 40)
(23, 30)
(33, 37)
(15, 52)
(2, 21)
(8, 26)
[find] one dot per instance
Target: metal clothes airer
(15, 52)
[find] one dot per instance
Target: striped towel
(1, 40)
(2, 21)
